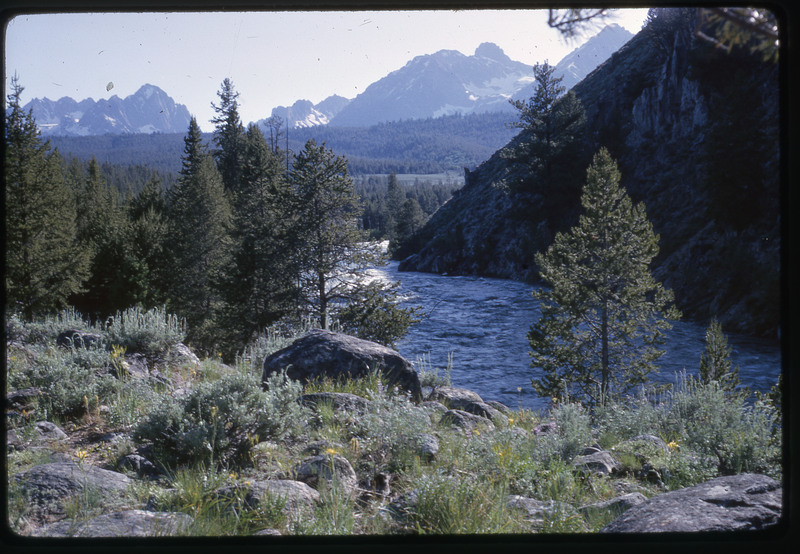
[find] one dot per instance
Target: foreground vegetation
(207, 425)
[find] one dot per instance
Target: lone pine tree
(715, 361)
(603, 314)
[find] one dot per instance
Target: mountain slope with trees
(695, 131)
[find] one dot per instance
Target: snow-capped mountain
(148, 110)
(443, 83)
(304, 113)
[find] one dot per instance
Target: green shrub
(573, 433)
(219, 422)
(149, 331)
(715, 422)
(450, 505)
(70, 380)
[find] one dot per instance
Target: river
(483, 322)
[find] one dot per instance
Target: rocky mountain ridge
(149, 110)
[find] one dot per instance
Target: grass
(224, 430)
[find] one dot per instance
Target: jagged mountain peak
(492, 51)
(148, 110)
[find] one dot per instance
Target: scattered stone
(48, 431)
(434, 407)
(602, 463)
(731, 503)
(78, 339)
(328, 468)
(139, 464)
(22, 399)
(465, 420)
(268, 532)
(536, 511)
(544, 428)
(12, 441)
(428, 447)
(340, 401)
(129, 523)
(324, 354)
(297, 495)
(650, 439)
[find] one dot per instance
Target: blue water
(483, 322)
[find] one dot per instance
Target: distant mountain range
(429, 86)
(148, 110)
(449, 82)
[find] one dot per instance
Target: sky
(272, 58)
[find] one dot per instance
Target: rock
(135, 365)
(47, 486)
(616, 505)
(434, 407)
(340, 401)
(544, 428)
(78, 339)
(466, 400)
(602, 463)
(139, 464)
(319, 447)
(327, 467)
(428, 447)
(536, 511)
(731, 503)
(500, 407)
(268, 532)
(465, 420)
(22, 399)
(129, 523)
(12, 441)
(48, 431)
(323, 354)
(650, 439)
(296, 494)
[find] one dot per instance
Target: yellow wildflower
(331, 451)
(81, 455)
(672, 445)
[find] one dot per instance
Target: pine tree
(715, 361)
(334, 255)
(550, 149)
(261, 285)
(44, 265)
(603, 315)
(228, 135)
(104, 232)
(148, 234)
(199, 240)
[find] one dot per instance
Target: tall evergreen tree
(148, 234)
(199, 239)
(228, 135)
(715, 361)
(44, 265)
(261, 285)
(551, 151)
(104, 232)
(603, 315)
(333, 252)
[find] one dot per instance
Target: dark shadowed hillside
(696, 135)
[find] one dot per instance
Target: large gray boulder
(296, 495)
(48, 486)
(731, 503)
(324, 354)
(128, 523)
(327, 468)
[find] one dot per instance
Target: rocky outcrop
(653, 104)
(49, 486)
(323, 354)
(129, 523)
(733, 503)
(328, 468)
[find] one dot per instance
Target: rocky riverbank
(376, 453)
